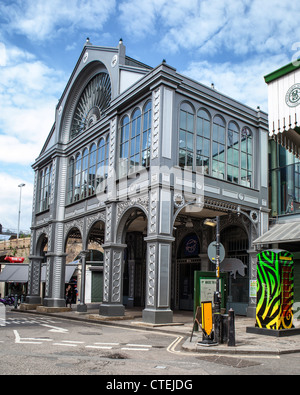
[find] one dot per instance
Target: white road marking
(100, 347)
(55, 328)
(72, 341)
(139, 345)
(19, 340)
(134, 349)
(65, 344)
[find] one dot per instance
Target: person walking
(69, 296)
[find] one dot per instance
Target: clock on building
(92, 104)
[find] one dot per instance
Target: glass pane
(215, 150)
(206, 147)
(182, 120)
(221, 135)
(182, 158)
(182, 143)
(235, 158)
(190, 142)
(243, 160)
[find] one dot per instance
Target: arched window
(246, 157)
(84, 175)
(233, 152)
(186, 135)
(218, 148)
(44, 189)
(102, 163)
(146, 144)
(77, 177)
(203, 141)
(92, 169)
(41, 189)
(135, 141)
(124, 146)
(71, 174)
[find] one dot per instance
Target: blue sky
(232, 43)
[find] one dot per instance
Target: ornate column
(158, 280)
(34, 280)
(113, 267)
(55, 280)
(113, 279)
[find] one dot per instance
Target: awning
(70, 269)
(284, 106)
(280, 233)
(19, 273)
(14, 273)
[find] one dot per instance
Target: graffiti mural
(275, 289)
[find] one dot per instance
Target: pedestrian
(69, 295)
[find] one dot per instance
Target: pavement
(245, 343)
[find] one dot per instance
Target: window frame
(220, 163)
(83, 167)
(135, 131)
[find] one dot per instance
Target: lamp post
(217, 295)
(19, 215)
(82, 307)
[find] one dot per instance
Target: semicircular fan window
(92, 104)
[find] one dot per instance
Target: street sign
(212, 252)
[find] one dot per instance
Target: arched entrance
(187, 262)
(236, 242)
(73, 246)
(94, 263)
(134, 261)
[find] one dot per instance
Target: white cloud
(214, 26)
(41, 20)
(29, 91)
(9, 202)
(243, 82)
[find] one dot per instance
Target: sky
(231, 43)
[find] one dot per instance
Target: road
(37, 345)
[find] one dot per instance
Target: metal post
(82, 307)
(231, 331)
(217, 301)
(16, 301)
(19, 214)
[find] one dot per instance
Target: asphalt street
(33, 344)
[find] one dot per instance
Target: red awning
(14, 259)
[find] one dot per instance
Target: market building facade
(284, 165)
(136, 161)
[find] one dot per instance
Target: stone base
(112, 310)
(157, 316)
(273, 332)
(81, 308)
(54, 302)
(34, 300)
(28, 306)
(46, 309)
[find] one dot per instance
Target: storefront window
(284, 181)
